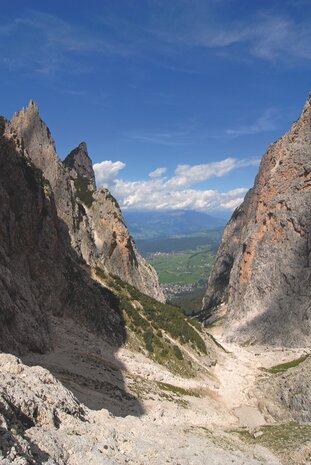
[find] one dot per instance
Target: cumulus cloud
(154, 195)
(157, 173)
(186, 175)
(107, 171)
(160, 193)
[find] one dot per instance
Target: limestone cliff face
(260, 283)
(39, 272)
(79, 161)
(116, 250)
(93, 218)
(40, 147)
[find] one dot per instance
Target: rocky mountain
(93, 217)
(107, 373)
(260, 283)
(40, 275)
(81, 165)
(149, 225)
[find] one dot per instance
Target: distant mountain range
(153, 224)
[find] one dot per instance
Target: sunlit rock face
(260, 284)
(92, 217)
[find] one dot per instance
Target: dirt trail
(229, 384)
(225, 389)
(148, 404)
(237, 373)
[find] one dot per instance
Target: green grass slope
(162, 331)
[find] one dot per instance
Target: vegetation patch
(185, 267)
(183, 264)
(159, 327)
(188, 242)
(218, 344)
(142, 387)
(198, 326)
(214, 324)
(83, 191)
(286, 366)
(281, 439)
(190, 301)
(178, 390)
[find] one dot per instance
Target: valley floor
(139, 413)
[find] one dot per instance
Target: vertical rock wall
(93, 218)
(261, 281)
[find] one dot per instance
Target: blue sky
(177, 99)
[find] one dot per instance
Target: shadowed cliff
(260, 283)
(43, 285)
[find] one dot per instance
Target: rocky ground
(126, 409)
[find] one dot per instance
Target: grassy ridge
(286, 366)
(190, 302)
(281, 439)
(158, 327)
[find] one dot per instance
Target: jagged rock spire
(32, 106)
(36, 137)
(79, 160)
(93, 218)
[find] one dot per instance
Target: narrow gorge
(97, 368)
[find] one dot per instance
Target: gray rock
(260, 283)
(40, 274)
(116, 251)
(287, 396)
(45, 424)
(33, 403)
(100, 240)
(79, 161)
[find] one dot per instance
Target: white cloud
(59, 33)
(231, 204)
(154, 195)
(186, 175)
(157, 173)
(107, 171)
(159, 193)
